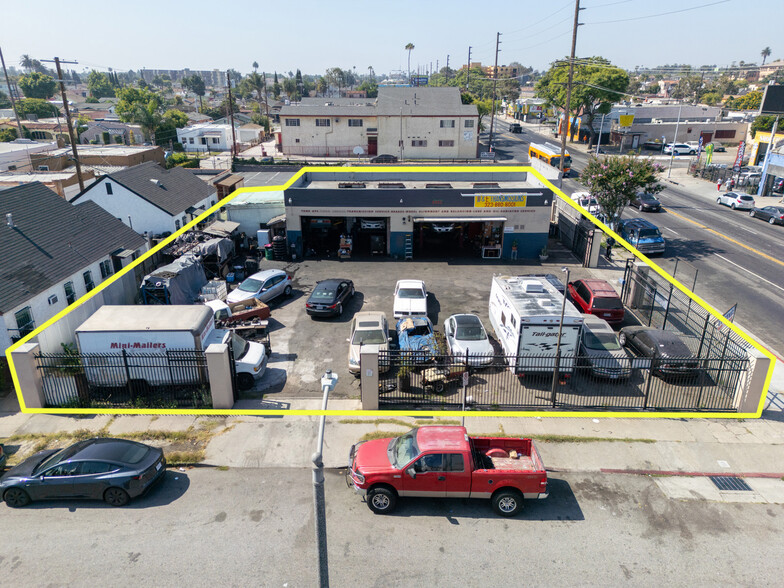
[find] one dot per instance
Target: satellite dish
(358, 150)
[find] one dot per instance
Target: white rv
(525, 313)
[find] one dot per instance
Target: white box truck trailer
(149, 331)
(525, 313)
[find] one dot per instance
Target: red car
(597, 297)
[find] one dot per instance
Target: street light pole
(560, 331)
(328, 381)
(674, 140)
(598, 144)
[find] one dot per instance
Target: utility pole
(71, 134)
(266, 101)
(468, 68)
(231, 120)
(11, 96)
(567, 113)
(447, 68)
(495, 81)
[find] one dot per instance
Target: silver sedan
(465, 334)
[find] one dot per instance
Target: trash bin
(268, 253)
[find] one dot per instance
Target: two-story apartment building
(409, 123)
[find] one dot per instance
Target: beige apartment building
(408, 123)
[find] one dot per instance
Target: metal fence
(175, 379)
(490, 383)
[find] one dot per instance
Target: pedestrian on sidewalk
(718, 185)
(732, 183)
(608, 248)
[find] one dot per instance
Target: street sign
(466, 377)
(487, 155)
(729, 315)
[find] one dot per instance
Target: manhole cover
(730, 483)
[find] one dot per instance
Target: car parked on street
(646, 202)
(369, 333)
(773, 214)
(597, 297)
(669, 354)
(383, 158)
(410, 298)
(465, 334)
(3, 457)
(515, 128)
(601, 350)
(112, 470)
(718, 147)
(415, 334)
(329, 297)
(736, 201)
(265, 285)
(679, 148)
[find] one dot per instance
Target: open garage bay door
(467, 237)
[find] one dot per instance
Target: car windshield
(324, 294)
(649, 233)
(471, 333)
(409, 293)
(51, 460)
(600, 341)
(250, 285)
(607, 303)
(403, 449)
(239, 346)
(369, 337)
(647, 197)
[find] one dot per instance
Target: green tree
(176, 117)
(711, 98)
(5, 101)
(409, 47)
(290, 87)
(276, 87)
(688, 88)
(142, 107)
(255, 65)
(764, 124)
(36, 85)
(195, 84)
(765, 53)
(596, 86)
(261, 120)
(322, 85)
(615, 182)
(36, 106)
(26, 62)
(336, 77)
(8, 135)
(369, 86)
(254, 83)
(99, 85)
(749, 101)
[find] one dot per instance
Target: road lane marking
(749, 230)
(671, 231)
(730, 239)
(751, 272)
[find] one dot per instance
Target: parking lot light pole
(328, 381)
(560, 331)
(674, 140)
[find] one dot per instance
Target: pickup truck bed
(526, 461)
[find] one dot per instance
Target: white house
(53, 253)
(205, 137)
(151, 199)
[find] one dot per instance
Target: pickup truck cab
(444, 462)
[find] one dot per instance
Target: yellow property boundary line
(417, 169)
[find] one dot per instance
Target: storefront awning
(458, 219)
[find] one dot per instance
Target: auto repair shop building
(408, 214)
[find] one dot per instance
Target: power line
(659, 14)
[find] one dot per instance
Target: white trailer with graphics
(525, 313)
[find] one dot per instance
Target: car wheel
(340, 309)
(287, 291)
(381, 500)
(16, 497)
(641, 207)
(116, 497)
(751, 213)
(351, 294)
(439, 387)
(732, 206)
(718, 200)
(507, 503)
(692, 152)
(245, 381)
(772, 220)
(622, 339)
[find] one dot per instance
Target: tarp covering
(183, 279)
(221, 247)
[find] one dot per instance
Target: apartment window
(203, 140)
(184, 221)
(176, 225)
(24, 321)
(70, 294)
(190, 140)
(106, 269)
(296, 140)
(419, 143)
(725, 134)
(469, 124)
(215, 140)
(292, 122)
(447, 124)
(322, 122)
(108, 188)
(355, 122)
(88, 280)
(446, 143)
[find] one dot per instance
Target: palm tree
(765, 54)
(409, 47)
(26, 62)
(370, 73)
(255, 65)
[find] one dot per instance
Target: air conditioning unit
(53, 299)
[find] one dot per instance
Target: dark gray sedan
(329, 297)
(670, 355)
(773, 214)
(646, 202)
(113, 470)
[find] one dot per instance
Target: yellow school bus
(551, 154)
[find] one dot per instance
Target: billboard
(772, 100)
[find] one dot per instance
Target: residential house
(151, 199)
(771, 69)
(98, 155)
(63, 183)
(410, 123)
(16, 155)
(205, 137)
(53, 253)
(111, 132)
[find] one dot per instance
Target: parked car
(410, 298)
(773, 214)
(369, 333)
(588, 202)
(601, 350)
(329, 297)
(3, 457)
(265, 285)
(735, 200)
(113, 470)
(465, 333)
(383, 159)
(670, 355)
(415, 334)
(597, 297)
(679, 148)
(552, 278)
(646, 202)
(515, 128)
(778, 186)
(718, 147)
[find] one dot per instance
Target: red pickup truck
(444, 462)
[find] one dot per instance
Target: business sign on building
(501, 200)
(625, 120)
(419, 80)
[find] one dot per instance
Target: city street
(207, 527)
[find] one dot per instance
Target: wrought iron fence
(510, 382)
(175, 379)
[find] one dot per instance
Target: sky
(313, 35)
